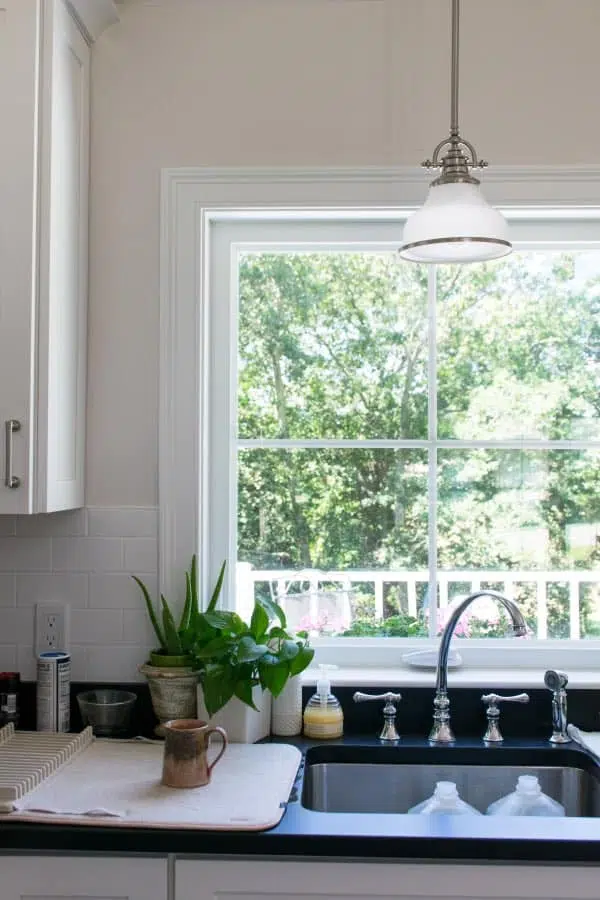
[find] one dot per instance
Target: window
(379, 439)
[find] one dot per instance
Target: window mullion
(432, 438)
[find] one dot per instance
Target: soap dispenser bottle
(323, 715)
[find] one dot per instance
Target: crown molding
(561, 187)
(373, 174)
(94, 16)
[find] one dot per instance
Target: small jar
(10, 683)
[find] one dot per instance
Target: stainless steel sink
(346, 779)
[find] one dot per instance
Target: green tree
(334, 346)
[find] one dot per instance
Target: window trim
(191, 201)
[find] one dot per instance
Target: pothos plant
(232, 656)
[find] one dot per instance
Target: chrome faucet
(441, 733)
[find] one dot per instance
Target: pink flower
(321, 625)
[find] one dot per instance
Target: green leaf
(172, 640)
(222, 620)
(277, 632)
(218, 687)
(214, 649)
(249, 650)
(273, 610)
(243, 691)
(270, 659)
(274, 677)
(151, 612)
(203, 631)
(187, 609)
(302, 660)
(217, 589)
(288, 650)
(259, 622)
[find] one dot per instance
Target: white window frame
(192, 201)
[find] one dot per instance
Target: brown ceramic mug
(185, 760)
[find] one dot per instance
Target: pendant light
(455, 224)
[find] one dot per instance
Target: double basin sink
(391, 779)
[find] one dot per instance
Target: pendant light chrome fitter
(455, 224)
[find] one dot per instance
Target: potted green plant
(170, 671)
(241, 665)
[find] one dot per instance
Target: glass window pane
(331, 345)
(339, 537)
(519, 347)
(525, 523)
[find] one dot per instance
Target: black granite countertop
(306, 833)
(303, 832)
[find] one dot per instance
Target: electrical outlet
(51, 621)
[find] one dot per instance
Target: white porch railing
(313, 586)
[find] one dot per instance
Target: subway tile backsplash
(84, 559)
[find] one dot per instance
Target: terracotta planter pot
(173, 691)
(242, 723)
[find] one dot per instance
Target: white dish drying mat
(118, 783)
(27, 758)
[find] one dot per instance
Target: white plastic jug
(526, 800)
(445, 801)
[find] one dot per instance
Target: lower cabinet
(139, 878)
(82, 878)
(258, 880)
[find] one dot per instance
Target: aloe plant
(178, 639)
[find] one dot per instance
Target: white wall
(257, 82)
(294, 82)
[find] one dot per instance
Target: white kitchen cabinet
(76, 878)
(44, 175)
(363, 880)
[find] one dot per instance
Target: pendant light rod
(454, 69)
(455, 156)
(455, 224)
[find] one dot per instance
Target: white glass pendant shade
(455, 224)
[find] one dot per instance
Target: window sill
(386, 678)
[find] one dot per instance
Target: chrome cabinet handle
(389, 733)
(10, 480)
(493, 734)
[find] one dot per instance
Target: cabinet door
(361, 880)
(80, 878)
(62, 333)
(20, 23)
(44, 154)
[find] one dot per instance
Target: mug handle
(216, 730)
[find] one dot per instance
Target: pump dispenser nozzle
(324, 683)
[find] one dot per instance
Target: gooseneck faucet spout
(441, 733)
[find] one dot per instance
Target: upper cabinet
(44, 175)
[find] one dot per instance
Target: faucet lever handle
(492, 701)
(389, 733)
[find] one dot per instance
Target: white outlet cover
(51, 627)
